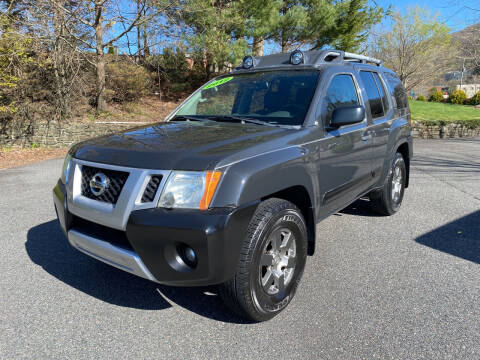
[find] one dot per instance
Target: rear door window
(373, 94)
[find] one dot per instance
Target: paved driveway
(406, 286)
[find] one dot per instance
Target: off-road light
(247, 62)
(296, 57)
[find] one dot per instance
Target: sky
(457, 14)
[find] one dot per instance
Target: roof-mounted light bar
(248, 62)
(297, 57)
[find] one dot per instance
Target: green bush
(436, 96)
(421, 98)
(475, 99)
(458, 97)
(410, 98)
(126, 81)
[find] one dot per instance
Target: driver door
(345, 153)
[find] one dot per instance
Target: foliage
(126, 81)
(458, 97)
(430, 113)
(417, 48)
(436, 96)
(56, 56)
(172, 74)
(475, 99)
(348, 28)
(213, 28)
(15, 55)
(421, 98)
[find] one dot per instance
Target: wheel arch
(283, 174)
(299, 196)
(404, 150)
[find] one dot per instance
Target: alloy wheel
(277, 263)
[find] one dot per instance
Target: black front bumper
(155, 235)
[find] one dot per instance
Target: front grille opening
(100, 232)
(151, 189)
(116, 181)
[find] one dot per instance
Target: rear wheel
(387, 201)
(271, 262)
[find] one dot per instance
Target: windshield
(274, 98)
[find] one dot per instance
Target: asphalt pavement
(400, 287)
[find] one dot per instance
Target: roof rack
(361, 58)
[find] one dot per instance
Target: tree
(213, 29)
(99, 16)
(417, 48)
(319, 23)
(259, 21)
(343, 25)
(15, 54)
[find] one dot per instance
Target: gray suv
(228, 189)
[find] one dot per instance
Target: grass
(430, 113)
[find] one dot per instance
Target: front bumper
(154, 236)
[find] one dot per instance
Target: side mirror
(347, 115)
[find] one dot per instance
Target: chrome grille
(116, 178)
(151, 189)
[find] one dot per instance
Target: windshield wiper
(242, 119)
(188, 118)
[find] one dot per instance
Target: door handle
(366, 136)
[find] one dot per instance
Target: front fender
(259, 176)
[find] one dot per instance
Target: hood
(177, 145)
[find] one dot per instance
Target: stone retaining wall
(58, 135)
(443, 132)
(65, 135)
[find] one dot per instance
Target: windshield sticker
(218, 82)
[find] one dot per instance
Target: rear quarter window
(397, 91)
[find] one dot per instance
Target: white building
(470, 89)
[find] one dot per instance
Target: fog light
(188, 256)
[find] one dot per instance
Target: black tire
(271, 223)
(383, 201)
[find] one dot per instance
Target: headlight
(66, 168)
(189, 189)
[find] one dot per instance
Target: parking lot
(406, 286)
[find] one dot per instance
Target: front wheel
(271, 262)
(387, 201)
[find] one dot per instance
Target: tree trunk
(101, 103)
(59, 60)
(139, 35)
(258, 46)
(146, 49)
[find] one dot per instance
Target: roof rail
(361, 58)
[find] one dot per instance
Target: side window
(340, 92)
(383, 94)
(397, 90)
(374, 97)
